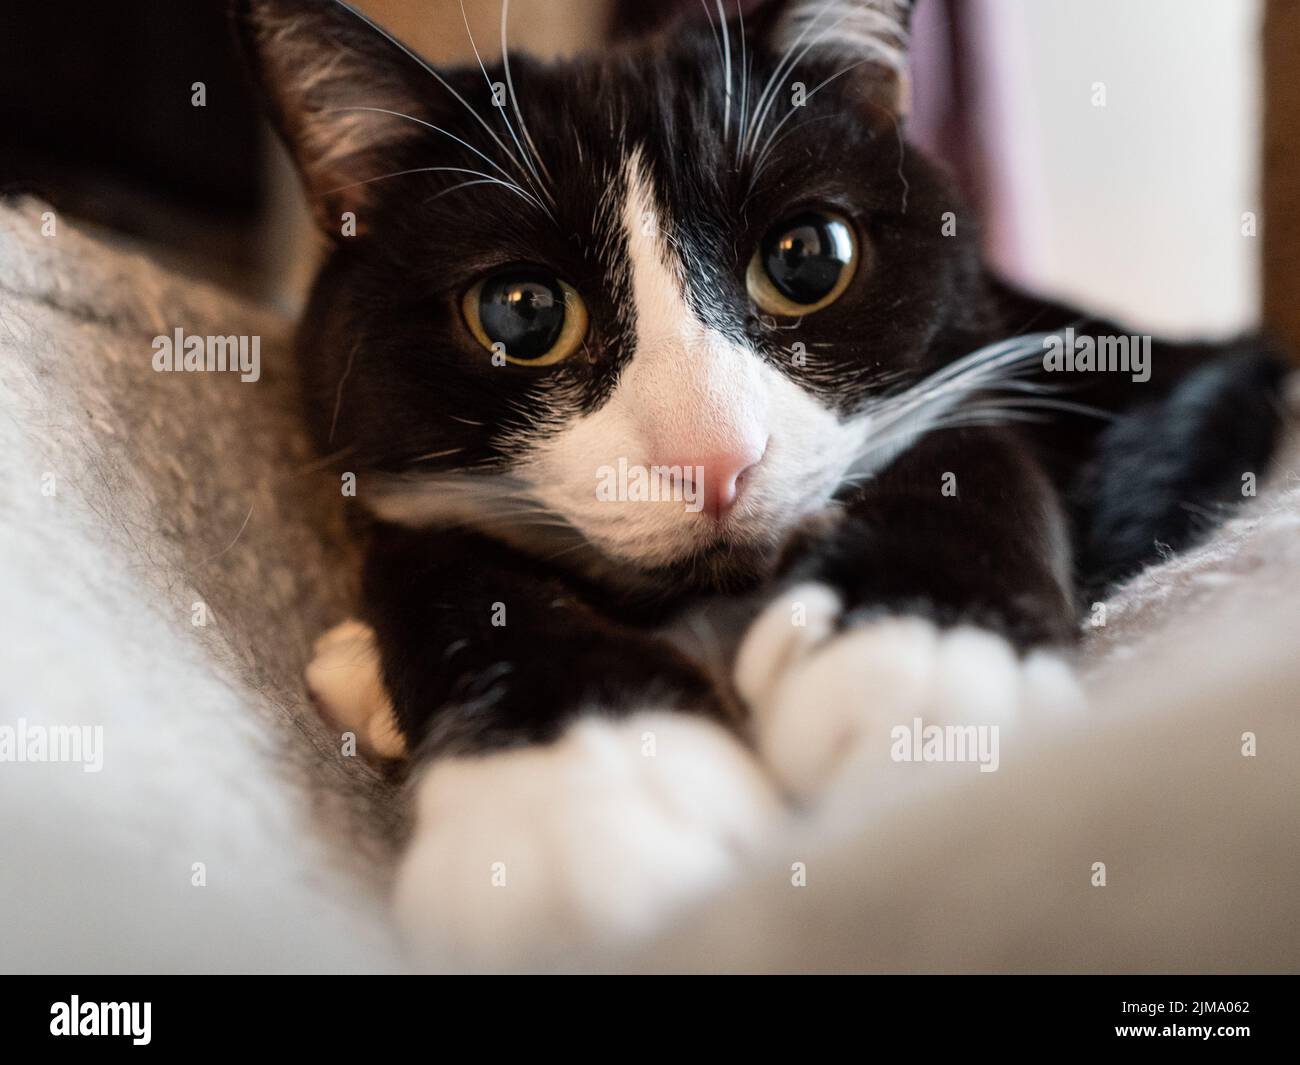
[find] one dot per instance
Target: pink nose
(719, 477)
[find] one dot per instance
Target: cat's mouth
(726, 563)
(726, 566)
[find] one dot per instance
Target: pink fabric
(966, 57)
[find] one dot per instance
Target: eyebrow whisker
(486, 179)
(428, 68)
(514, 102)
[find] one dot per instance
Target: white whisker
(788, 61)
(485, 179)
(911, 413)
(762, 155)
(726, 50)
(429, 456)
(429, 125)
(462, 185)
(968, 391)
(483, 500)
(902, 150)
(504, 116)
(712, 28)
(514, 101)
(338, 392)
(429, 69)
(746, 67)
(758, 170)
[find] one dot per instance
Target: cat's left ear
(343, 95)
(867, 39)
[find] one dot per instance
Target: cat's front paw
(529, 857)
(832, 700)
(345, 679)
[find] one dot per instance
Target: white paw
(828, 705)
(529, 856)
(345, 681)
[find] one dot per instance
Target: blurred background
(1136, 156)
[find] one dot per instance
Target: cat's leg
(482, 647)
(939, 594)
(523, 856)
(1165, 472)
(573, 783)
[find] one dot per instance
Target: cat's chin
(723, 566)
(727, 563)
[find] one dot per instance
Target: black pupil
(523, 312)
(805, 256)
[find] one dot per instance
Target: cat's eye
(528, 315)
(803, 264)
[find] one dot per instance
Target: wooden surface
(1280, 224)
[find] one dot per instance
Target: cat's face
(625, 282)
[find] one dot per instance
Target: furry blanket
(169, 549)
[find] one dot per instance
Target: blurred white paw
(830, 704)
(524, 858)
(345, 681)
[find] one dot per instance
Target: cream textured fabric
(170, 489)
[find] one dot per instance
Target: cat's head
(643, 299)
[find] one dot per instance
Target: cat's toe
(787, 629)
(531, 856)
(831, 698)
(1050, 684)
(344, 679)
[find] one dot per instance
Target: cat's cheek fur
(532, 856)
(825, 697)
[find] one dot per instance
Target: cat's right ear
(868, 38)
(340, 91)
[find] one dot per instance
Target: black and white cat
(706, 257)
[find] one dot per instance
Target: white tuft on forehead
(693, 386)
(657, 274)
